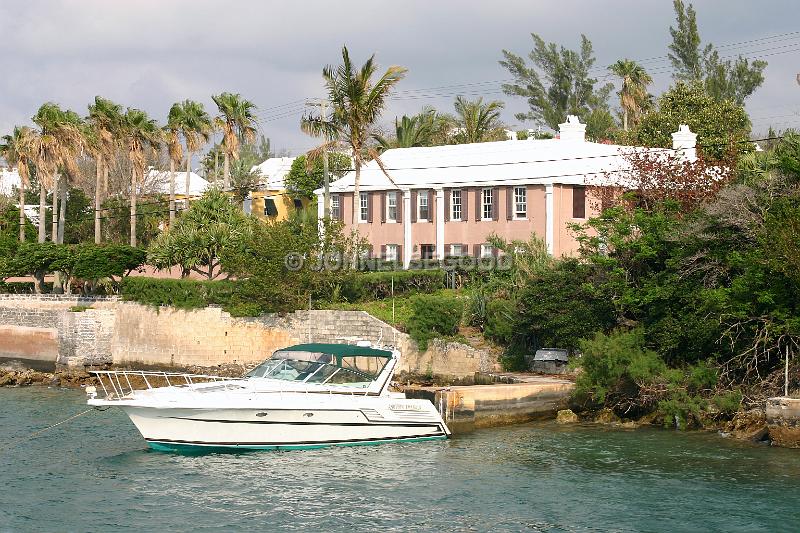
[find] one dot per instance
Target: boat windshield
(320, 367)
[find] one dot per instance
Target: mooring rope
(40, 431)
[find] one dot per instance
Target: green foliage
(569, 89)
(79, 308)
(721, 126)
(434, 315)
(378, 285)
(179, 293)
(561, 306)
(728, 402)
(500, 320)
(151, 215)
(93, 262)
(199, 240)
(78, 217)
(302, 180)
(615, 366)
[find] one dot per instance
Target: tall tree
(237, 120)
(724, 79)
(103, 123)
(633, 94)
(140, 132)
(64, 136)
(196, 127)
(18, 151)
(356, 103)
(558, 84)
(175, 152)
(477, 121)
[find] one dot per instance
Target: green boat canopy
(338, 350)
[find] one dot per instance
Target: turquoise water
(96, 474)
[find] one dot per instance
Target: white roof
(158, 181)
(493, 163)
(9, 180)
(273, 171)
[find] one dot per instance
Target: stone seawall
(52, 328)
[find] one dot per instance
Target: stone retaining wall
(127, 333)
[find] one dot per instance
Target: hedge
(378, 285)
(179, 293)
(21, 287)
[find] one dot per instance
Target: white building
(158, 181)
(273, 171)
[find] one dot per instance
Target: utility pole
(326, 180)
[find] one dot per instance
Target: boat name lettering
(405, 407)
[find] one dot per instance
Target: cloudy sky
(152, 53)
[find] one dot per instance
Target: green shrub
(21, 287)
(378, 285)
(434, 315)
(94, 262)
(727, 403)
(615, 365)
(678, 408)
(180, 293)
(500, 319)
(79, 308)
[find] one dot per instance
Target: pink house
(441, 201)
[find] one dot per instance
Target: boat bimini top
(329, 364)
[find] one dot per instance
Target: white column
(549, 214)
(440, 251)
(407, 244)
(320, 214)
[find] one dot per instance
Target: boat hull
(270, 429)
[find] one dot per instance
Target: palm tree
(477, 122)
(237, 120)
(195, 126)
(18, 151)
(63, 140)
(139, 132)
(633, 93)
(174, 151)
(410, 132)
(103, 125)
(356, 102)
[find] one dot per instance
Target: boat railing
(121, 384)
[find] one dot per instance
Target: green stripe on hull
(205, 448)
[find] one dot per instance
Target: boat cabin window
(320, 367)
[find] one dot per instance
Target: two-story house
(441, 201)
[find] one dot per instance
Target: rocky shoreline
(750, 425)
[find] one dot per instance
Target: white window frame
(363, 207)
(427, 205)
(391, 204)
(520, 201)
(487, 203)
(391, 252)
(456, 209)
(459, 248)
(487, 250)
(335, 207)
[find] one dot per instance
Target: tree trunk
(133, 208)
(42, 212)
(38, 281)
(54, 226)
(624, 119)
(21, 211)
(98, 182)
(226, 173)
(106, 172)
(62, 213)
(171, 192)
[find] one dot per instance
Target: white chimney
(572, 130)
(685, 142)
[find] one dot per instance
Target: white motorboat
(302, 397)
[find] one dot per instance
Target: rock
(651, 419)
(629, 424)
(748, 425)
(6, 378)
(566, 416)
(607, 416)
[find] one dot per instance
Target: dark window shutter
(383, 206)
(464, 205)
(400, 253)
(432, 207)
(579, 202)
(447, 194)
(465, 249)
(369, 206)
(400, 206)
(414, 207)
(478, 204)
(383, 252)
(476, 250)
(446, 250)
(529, 196)
(509, 203)
(495, 203)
